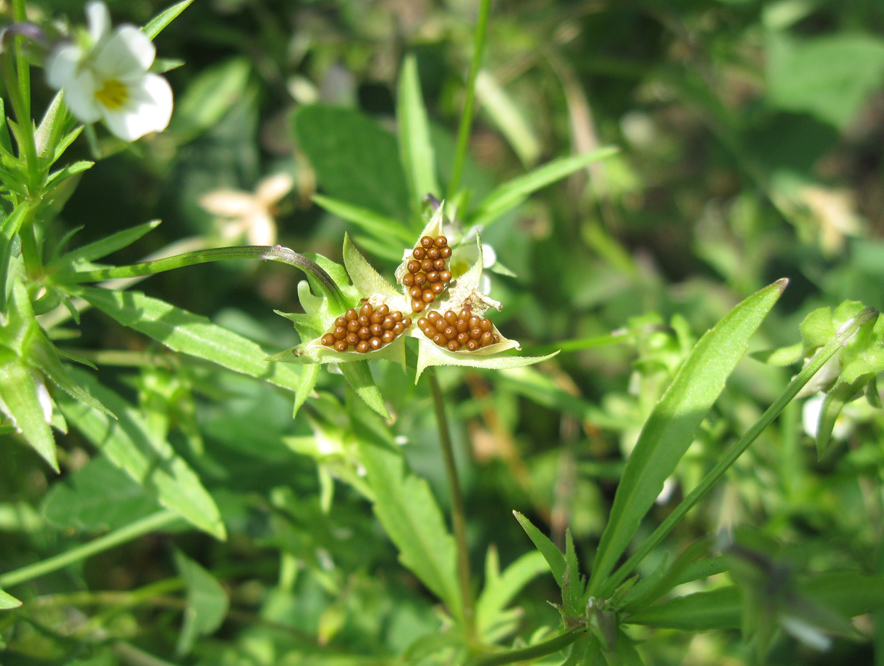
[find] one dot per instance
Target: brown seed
(426, 242)
(486, 339)
(453, 345)
(445, 276)
(487, 325)
(364, 320)
(476, 333)
(445, 252)
(428, 296)
(328, 339)
(406, 322)
(433, 276)
(415, 291)
(351, 314)
(463, 338)
(376, 318)
(417, 305)
(398, 328)
(462, 326)
(495, 338)
(388, 336)
(419, 253)
(408, 279)
(433, 253)
(388, 323)
(352, 338)
(439, 264)
(353, 325)
(437, 288)
(475, 322)
(340, 333)
(377, 330)
(472, 345)
(363, 346)
(420, 279)
(450, 317)
(376, 343)
(383, 310)
(413, 266)
(340, 322)
(427, 265)
(366, 310)
(440, 241)
(434, 316)
(363, 333)
(396, 315)
(450, 332)
(341, 345)
(440, 340)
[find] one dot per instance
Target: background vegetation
(750, 142)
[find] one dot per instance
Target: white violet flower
(105, 77)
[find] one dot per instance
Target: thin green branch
(128, 533)
(531, 653)
(458, 509)
(276, 253)
(466, 118)
(730, 457)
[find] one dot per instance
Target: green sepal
(7, 601)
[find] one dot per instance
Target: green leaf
(191, 334)
(101, 248)
(830, 76)
(164, 18)
(509, 118)
(57, 177)
(7, 601)
(98, 497)
(499, 591)
(209, 97)
(365, 278)
(309, 375)
(509, 195)
(358, 375)
(5, 141)
(408, 511)
(19, 392)
(547, 548)
(207, 603)
(152, 462)
(432, 354)
(671, 427)
(355, 160)
(415, 147)
(379, 225)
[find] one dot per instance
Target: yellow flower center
(113, 95)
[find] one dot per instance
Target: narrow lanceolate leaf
(8, 601)
(511, 194)
(183, 331)
(500, 589)
(670, 429)
(359, 377)
(374, 223)
(100, 248)
(415, 147)
(547, 548)
(164, 18)
(21, 402)
(129, 443)
(408, 511)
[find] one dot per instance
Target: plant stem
(531, 653)
(458, 511)
(99, 545)
(730, 457)
(266, 252)
(466, 118)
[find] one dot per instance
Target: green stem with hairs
(139, 528)
(730, 457)
(466, 118)
(458, 509)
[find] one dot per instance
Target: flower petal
(61, 66)
(80, 97)
(273, 188)
(229, 203)
(98, 20)
(128, 53)
(149, 110)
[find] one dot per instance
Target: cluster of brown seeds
(456, 332)
(367, 330)
(428, 272)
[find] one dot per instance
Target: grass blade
(415, 148)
